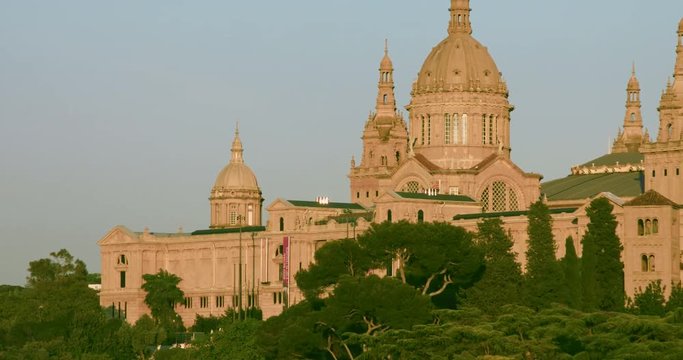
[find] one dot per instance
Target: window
(385, 99)
(633, 117)
(280, 272)
(367, 194)
(464, 129)
(499, 197)
(483, 129)
(220, 301)
(376, 193)
(641, 227)
(648, 227)
(122, 279)
(670, 131)
(187, 302)
(233, 214)
(282, 224)
(454, 190)
(122, 260)
(420, 216)
(666, 172)
(429, 129)
(653, 173)
(456, 129)
(644, 263)
(447, 129)
(412, 187)
(655, 226)
(491, 129)
(204, 302)
(652, 263)
(422, 140)
(678, 171)
(357, 197)
(389, 215)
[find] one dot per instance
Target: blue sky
(122, 112)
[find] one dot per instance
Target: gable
(119, 235)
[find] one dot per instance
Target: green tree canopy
(162, 295)
(572, 274)
(544, 276)
(602, 270)
(501, 283)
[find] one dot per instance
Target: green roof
(507, 214)
(244, 229)
(576, 187)
(332, 205)
(461, 198)
(613, 159)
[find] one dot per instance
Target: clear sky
(122, 112)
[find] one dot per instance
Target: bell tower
(632, 136)
(385, 140)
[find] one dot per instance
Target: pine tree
(602, 270)
(572, 274)
(502, 280)
(544, 277)
(651, 300)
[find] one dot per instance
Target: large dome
(236, 176)
(459, 62)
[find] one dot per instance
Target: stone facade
(450, 163)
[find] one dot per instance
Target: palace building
(448, 161)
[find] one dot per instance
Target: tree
(651, 300)
(544, 277)
(433, 257)
(602, 270)
(162, 295)
(60, 267)
(332, 261)
(676, 298)
(572, 274)
(502, 280)
(147, 334)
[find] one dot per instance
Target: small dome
(236, 176)
(386, 63)
(459, 61)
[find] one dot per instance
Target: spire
(678, 73)
(237, 150)
(460, 17)
(386, 101)
(632, 136)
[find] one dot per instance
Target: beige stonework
(450, 163)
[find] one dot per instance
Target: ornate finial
(386, 47)
(633, 70)
(237, 128)
(237, 149)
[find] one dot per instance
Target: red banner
(285, 261)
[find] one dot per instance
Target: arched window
(655, 226)
(491, 128)
(412, 187)
(422, 132)
(122, 260)
(389, 219)
(648, 227)
(385, 99)
(652, 263)
(447, 129)
(456, 129)
(641, 227)
(499, 197)
(483, 129)
(429, 129)
(633, 117)
(669, 131)
(420, 216)
(644, 266)
(464, 129)
(282, 224)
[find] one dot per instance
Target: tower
(236, 197)
(459, 112)
(632, 136)
(664, 158)
(385, 139)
